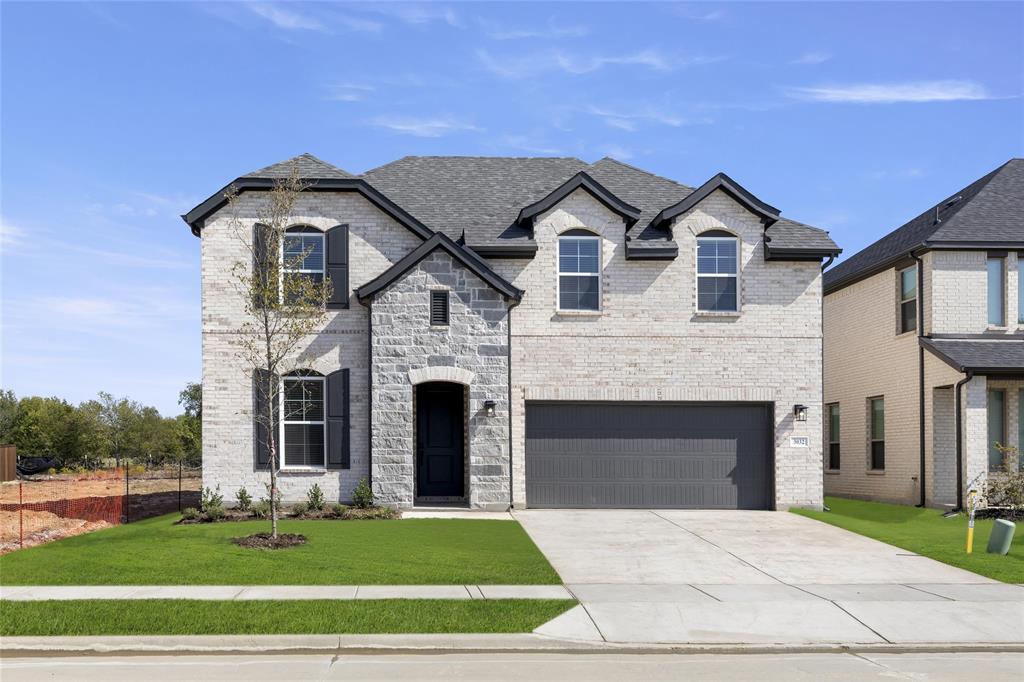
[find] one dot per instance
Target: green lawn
(925, 532)
(191, 617)
(398, 552)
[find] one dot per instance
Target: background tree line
(104, 431)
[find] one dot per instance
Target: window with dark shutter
(337, 266)
(877, 419)
(338, 420)
(303, 443)
(439, 307)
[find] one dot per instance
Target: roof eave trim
(963, 369)
(439, 240)
(853, 278)
(766, 212)
(197, 215)
(582, 181)
(800, 254)
(505, 250)
(663, 251)
(975, 245)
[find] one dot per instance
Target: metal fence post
(179, 486)
(21, 515)
(127, 494)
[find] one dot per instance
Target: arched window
(718, 256)
(303, 253)
(579, 271)
(303, 409)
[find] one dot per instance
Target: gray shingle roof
(983, 356)
(989, 210)
(308, 166)
(482, 196)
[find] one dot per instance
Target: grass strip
(384, 552)
(925, 532)
(300, 617)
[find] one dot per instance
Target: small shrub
(136, 470)
(315, 498)
(261, 510)
(211, 498)
(189, 514)
(339, 509)
(51, 471)
(215, 513)
(362, 496)
(244, 500)
(300, 509)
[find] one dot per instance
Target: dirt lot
(59, 506)
(41, 527)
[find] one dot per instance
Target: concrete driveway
(758, 577)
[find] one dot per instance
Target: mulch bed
(996, 513)
(266, 541)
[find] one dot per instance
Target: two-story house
(924, 350)
(530, 332)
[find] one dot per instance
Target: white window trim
(559, 274)
(284, 269)
(284, 420)
(697, 275)
(899, 305)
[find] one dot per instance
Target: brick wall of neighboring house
(375, 243)
(648, 342)
(865, 356)
(406, 347)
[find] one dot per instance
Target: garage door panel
(670, 455)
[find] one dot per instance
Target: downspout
(369, 393)
(960, 442)
(920, 376)
(509, 363)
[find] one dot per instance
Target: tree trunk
(273, 454)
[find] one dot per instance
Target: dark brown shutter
(338, 399)
(261, 435)
(337, 266)
(260, 263)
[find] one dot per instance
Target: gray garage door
(648, 455)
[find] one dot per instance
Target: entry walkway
(274, 592)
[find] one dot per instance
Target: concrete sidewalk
(273, 592)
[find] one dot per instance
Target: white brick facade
(646, 343)
(866, 356)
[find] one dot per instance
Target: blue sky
(118, 117)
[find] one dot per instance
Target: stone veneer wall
(406, 347)
(649, 343)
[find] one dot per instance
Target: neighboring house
(536, 332)
(924, 350)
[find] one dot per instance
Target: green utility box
(1002, 536)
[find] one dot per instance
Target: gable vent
(439, 307)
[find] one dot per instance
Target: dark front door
(439, 440)
(649, 455)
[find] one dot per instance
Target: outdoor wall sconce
(800, 413)
(489, 408)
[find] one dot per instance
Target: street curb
(355, 645)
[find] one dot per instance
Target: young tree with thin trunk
(283, 306)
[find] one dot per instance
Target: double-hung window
(579, 271)
(996, 292)
(996, 427)
(1020, 290)
(717, 272)
(833, 437)
(303, 440)
(303, 254)
(877, 435)
(908, 299)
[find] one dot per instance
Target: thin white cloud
(893, 93)
(529, 144)
(551, 31)
(10, 235)
(348, 92)
(286, 19)
(811, 58)
(424, 127)
(699, 14)
(523, 66)
(630, 119)
(618, 152)
(416, 14)
(897, 174)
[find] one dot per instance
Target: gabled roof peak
(308, 166)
